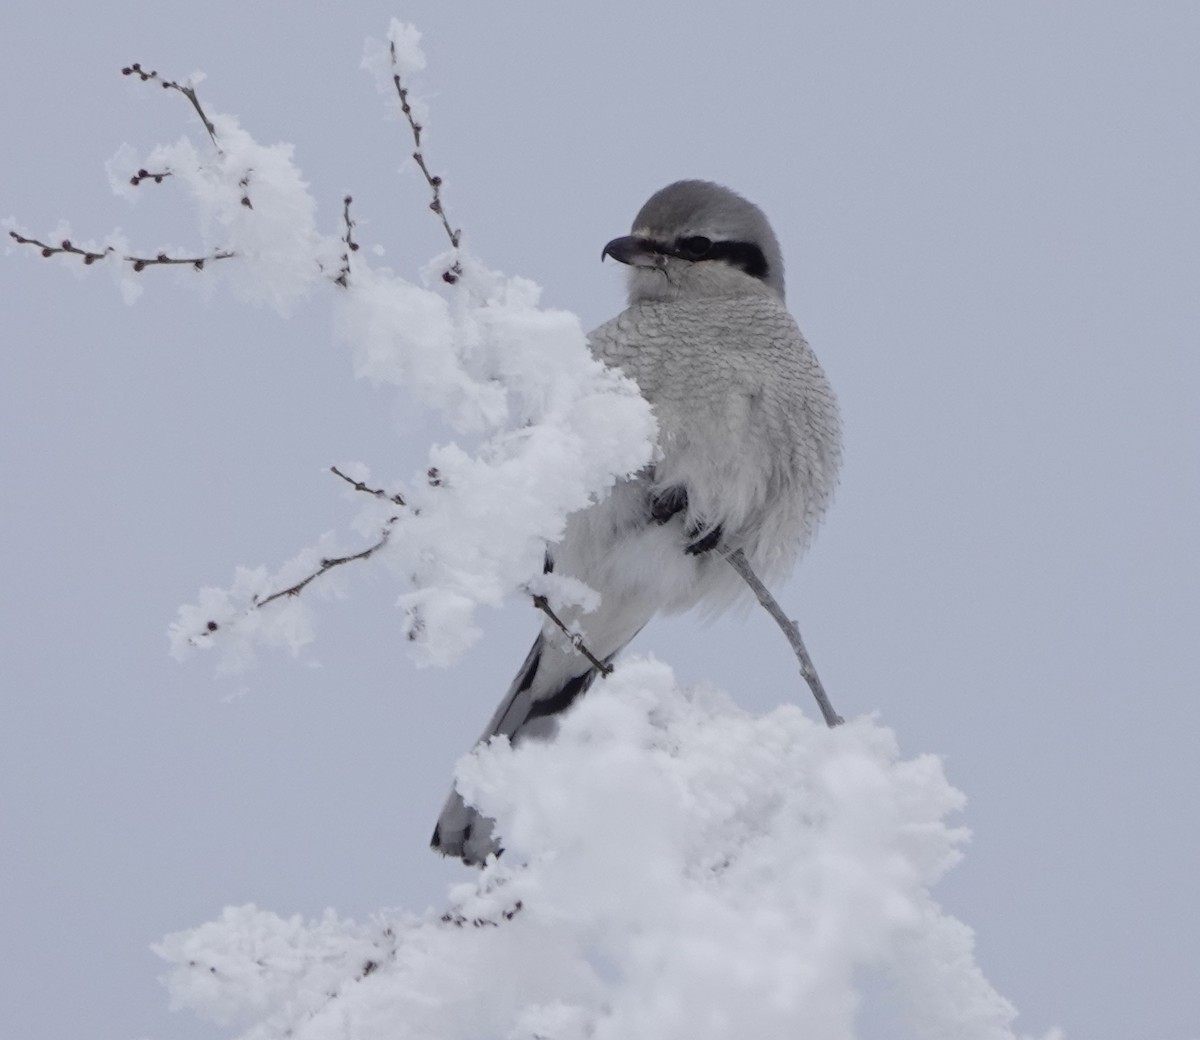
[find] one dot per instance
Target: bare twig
(64, 247)
(454, 271)
(358, 485)
(737, 560)
(146, 175)
(330, 562)
(327, 565)
(576, 639)
(139, 263)
(188, 92)
(343, 278)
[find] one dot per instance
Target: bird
(747, 457)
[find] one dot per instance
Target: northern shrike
(747, 456)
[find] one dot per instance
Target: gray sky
(992, 226)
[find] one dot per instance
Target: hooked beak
(630, 249)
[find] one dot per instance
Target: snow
(545, 427)
(675, 867)
(281, 255)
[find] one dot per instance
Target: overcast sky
(991, 219)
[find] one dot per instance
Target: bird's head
(698, 238)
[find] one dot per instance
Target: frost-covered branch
(273, 235)
(327, 564)
(737, 560)
(452, 273)
(189, 92)
(540, 601)
(186, 90)
(138, 263)
(359, 485)
(460, 920)
(515, 381)
(576, 638)
(324, 565)
(343, 278)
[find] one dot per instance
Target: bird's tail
(548, 683)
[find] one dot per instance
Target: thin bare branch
(65, 246)
(454, 271)
(330, 562)
(576, 639)
(343, 278)
(139, 263)
(162, 260)
(188, 92)
(358, 485)
(327, 565)
(148, 175)
(737, 560)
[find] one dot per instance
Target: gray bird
(748, 452)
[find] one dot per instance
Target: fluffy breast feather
(747, 420)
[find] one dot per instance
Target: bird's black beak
(629, 249)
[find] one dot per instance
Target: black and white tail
(547, 684)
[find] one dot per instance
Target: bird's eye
(697, 247)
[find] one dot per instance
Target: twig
(576, 639)
(737, 560)
(327, 565)
(139, 263)
(343, 278)
(48, 250)
(358, 485)
(188, 92)
(146, 175)
(454, 271)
